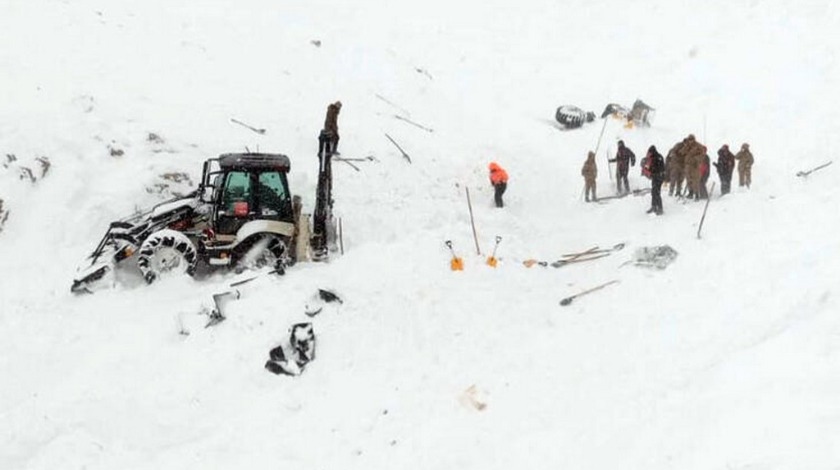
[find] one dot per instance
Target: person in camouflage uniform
(675, 168)
(693, 152)
(725, 165)
(745, 163)
(590, 173)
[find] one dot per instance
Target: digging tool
(578, 259)
(456, 263)
(596, 250)
(803, 174)
(369, 158)
(582, 253)
(492, 261)
(419, 126)
(531, 262)
(237, 121)
(569, 300)
(572, 257)
(702, 219)
(405, 155)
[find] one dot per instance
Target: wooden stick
(348, 162)
(405, 155)
(582, 253)
(397, 116)
(472, 222)
(602, 135)
(386, 100)
(563, 262)
(340, 236)
(708, 199)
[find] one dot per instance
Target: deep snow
(729, 358)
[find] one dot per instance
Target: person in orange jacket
(499, 179)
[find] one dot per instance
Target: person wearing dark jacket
(657, 177)
(725, 166)
(624, 159)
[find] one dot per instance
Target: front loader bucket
(92, 277)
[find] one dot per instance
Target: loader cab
(249, 187)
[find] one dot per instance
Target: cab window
(271, 193)
(237, 189)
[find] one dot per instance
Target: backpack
(647, 162)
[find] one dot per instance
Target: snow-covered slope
(729, 358)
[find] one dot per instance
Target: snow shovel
(491, 260)
(456, 263)
(568, 300)
(803, 174)
(247, 126)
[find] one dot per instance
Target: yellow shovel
(492, 261)
(456, 263)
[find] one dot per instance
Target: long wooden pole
(340, 236)
(472, 222)
(603, 128)
(702, 219)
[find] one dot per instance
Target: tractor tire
(263, 250)
(166, 253)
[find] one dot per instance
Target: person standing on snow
(330, 132)
(676, 170)
(499, 179)
(745, 163)
(590, 173)
(725, 165)
(705, 171)
(694, 152)
(624, 159)
(656, 168)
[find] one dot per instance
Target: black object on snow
(316, 303)
(572, 117)
(301, 351)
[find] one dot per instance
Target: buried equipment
(291, 358)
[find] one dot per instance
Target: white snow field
(727, 359)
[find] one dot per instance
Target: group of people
(687, 162)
